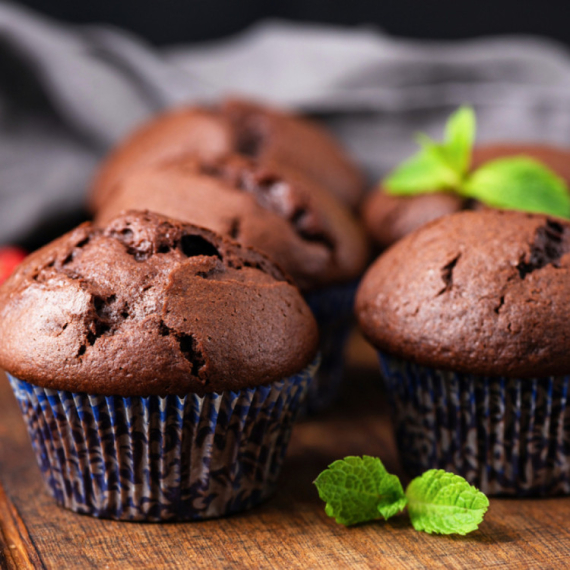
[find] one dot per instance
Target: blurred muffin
(289, 218)
(172, 134)
(276, 137)
(297, 224)
(470, 317)
(159, 367)
(389, 218)
(273, 137)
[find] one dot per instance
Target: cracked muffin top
(274, 136)
(297, 224)
(483, 292)
(150, 306)
(236, 126)
(389, 218)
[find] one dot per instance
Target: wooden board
(289, 531)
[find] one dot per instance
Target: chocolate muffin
(152, 338)
(389, 218)
(177, 132)
(236, 126)
(292, 220)
(276, 137)
(469, 315)
(300, 226)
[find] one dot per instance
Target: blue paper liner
(507, 436)
(162, 458)
(333, 310)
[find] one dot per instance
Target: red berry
(10, 257)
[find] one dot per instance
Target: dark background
(175, 21)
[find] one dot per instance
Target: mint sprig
(444, 503)
(359, 489)
(425, 170)
(460, 132)
(437, 166)
(514, 183)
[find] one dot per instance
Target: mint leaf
(519, 183)
(359, 489)
(423, 173)
(445, 503)
(437, 166)
(460, 137)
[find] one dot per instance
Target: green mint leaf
(425, 172)
(359, 489)
(436, 166)
(459, 139)
(456, 151)
(519, 183)
(445, 503)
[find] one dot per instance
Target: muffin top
(295, 222)
(236, 126)
(150, 306)
(277, 137)
(389, 218)
(483, 292)
(169, 135)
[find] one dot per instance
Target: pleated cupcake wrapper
(162, 458)
(333, 311)
(506, 436)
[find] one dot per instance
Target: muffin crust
(295, 222)
(236, 126)
(482, 292)
(149, 306)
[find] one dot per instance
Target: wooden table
(289, 531)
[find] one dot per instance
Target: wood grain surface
(289, 531)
